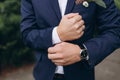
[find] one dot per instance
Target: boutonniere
(86, 2)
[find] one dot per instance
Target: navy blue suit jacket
(39, 17)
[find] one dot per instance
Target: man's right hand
(71, 27)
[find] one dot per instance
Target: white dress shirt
(55, 37)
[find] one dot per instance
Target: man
(62, 34)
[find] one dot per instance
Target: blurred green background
(12, 50)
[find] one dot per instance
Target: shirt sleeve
(55, 37)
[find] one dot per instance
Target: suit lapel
(70, 6)
(56, 8)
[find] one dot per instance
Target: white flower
(86, 4)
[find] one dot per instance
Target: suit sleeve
(108, 23)
(33, 36)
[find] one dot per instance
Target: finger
(71, 15)
(81, 29)
(58, 64)
(61, 64)
(57, 48)
(51, 50)
(81, 23)
(71, 62)
(76, 18)
(80, 34)
(54, 56)
(58, 61)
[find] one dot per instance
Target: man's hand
(64, 53)
(71, 27)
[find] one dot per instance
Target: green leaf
(100, 3)
(117, 3)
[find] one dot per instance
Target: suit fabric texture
(39, 17)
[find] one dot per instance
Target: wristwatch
(84, 53)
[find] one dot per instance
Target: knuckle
(82, 21)
(80, 16)
(83, 27)
(82, 33)
(76, 26)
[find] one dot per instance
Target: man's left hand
(64, 53)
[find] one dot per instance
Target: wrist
(78, 51)
(60, 34)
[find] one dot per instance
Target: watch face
(84, 53)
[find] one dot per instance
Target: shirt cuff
(55, 37)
